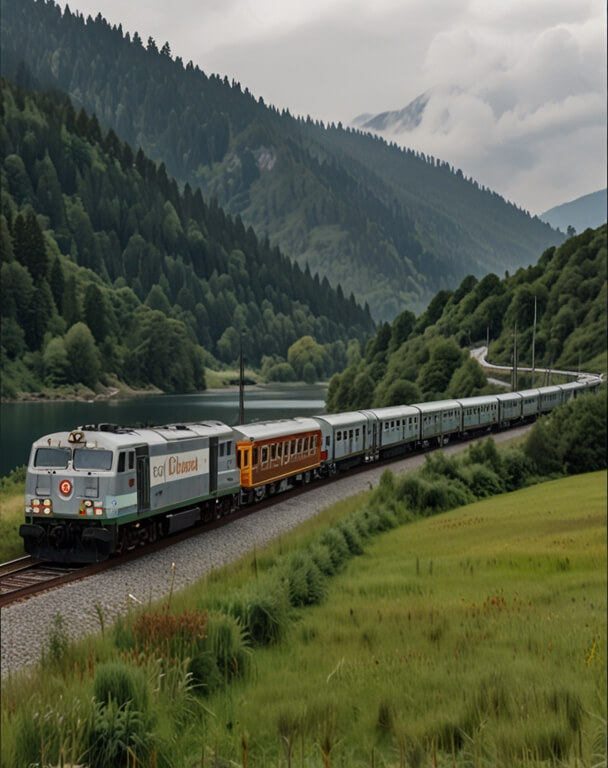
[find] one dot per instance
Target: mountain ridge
(314, 190)
(582, 212)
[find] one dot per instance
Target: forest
(425, 358)
(390, 225)
(111, 272)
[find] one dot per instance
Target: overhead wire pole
(515, 357)
(534, 344)
(241, 385)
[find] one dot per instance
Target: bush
(321, 557)
(226, 641)
(338, 548)
(121, 683)
(481, 480)
(205, 674)
(118, 736)
(515, 469)
(351, 536)
(264, 612)
(410, 489)
(307, 585)
(443, 494)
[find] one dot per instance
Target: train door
(212, 464)
(142, 468)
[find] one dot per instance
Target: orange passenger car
(270, 453)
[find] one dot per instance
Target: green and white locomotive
(102, 489)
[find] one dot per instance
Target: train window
(410, 420)
(264, 454)
(228, 447)
(328, 441)
(299, 445)
(314, 442)
(255, 457)
(280, 450)
(131, 459)
(222, 448)
(52, 457)
(121, 461)
(338, 435)
(393, 424)
(293, 447)
(87, 459)
(273, 451)
(305, 445)
(357, 433)
(350, 434)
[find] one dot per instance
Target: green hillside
(108, 269)
(426, 357)
(390, 225)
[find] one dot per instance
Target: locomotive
(99, 490)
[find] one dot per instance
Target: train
(99, 490)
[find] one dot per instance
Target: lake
(22, 423)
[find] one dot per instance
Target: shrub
(338, 548)
(264, 612)
(485, 452)
(351, 537)
(321, 557)
(121, 683)
(481, 480)
(307, 585)
(410, 489)
(227, 643)
(118, 736)
(205, 674)
(515, 469)
(443, 494)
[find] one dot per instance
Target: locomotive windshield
(87, 459)
(57, 458)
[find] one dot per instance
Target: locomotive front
(70, 476)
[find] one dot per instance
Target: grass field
(477, 637)
(471, 638)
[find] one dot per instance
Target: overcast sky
(517, 87)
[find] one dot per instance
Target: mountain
(586, 211)
(389, 225)
(395, 121)
(110, 270)
(426, 357)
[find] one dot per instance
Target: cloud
(511, 82)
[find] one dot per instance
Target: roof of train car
(343, 419)
(265, 430)
(393, 411)
(573, 385)
(125, 437)
(504, 396)
(467, 402)
(529, 392)
(548, 390)
(437, 405)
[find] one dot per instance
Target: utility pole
(241, 385)
(515, 357)
(534, 342)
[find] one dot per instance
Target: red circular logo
(65, 487)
